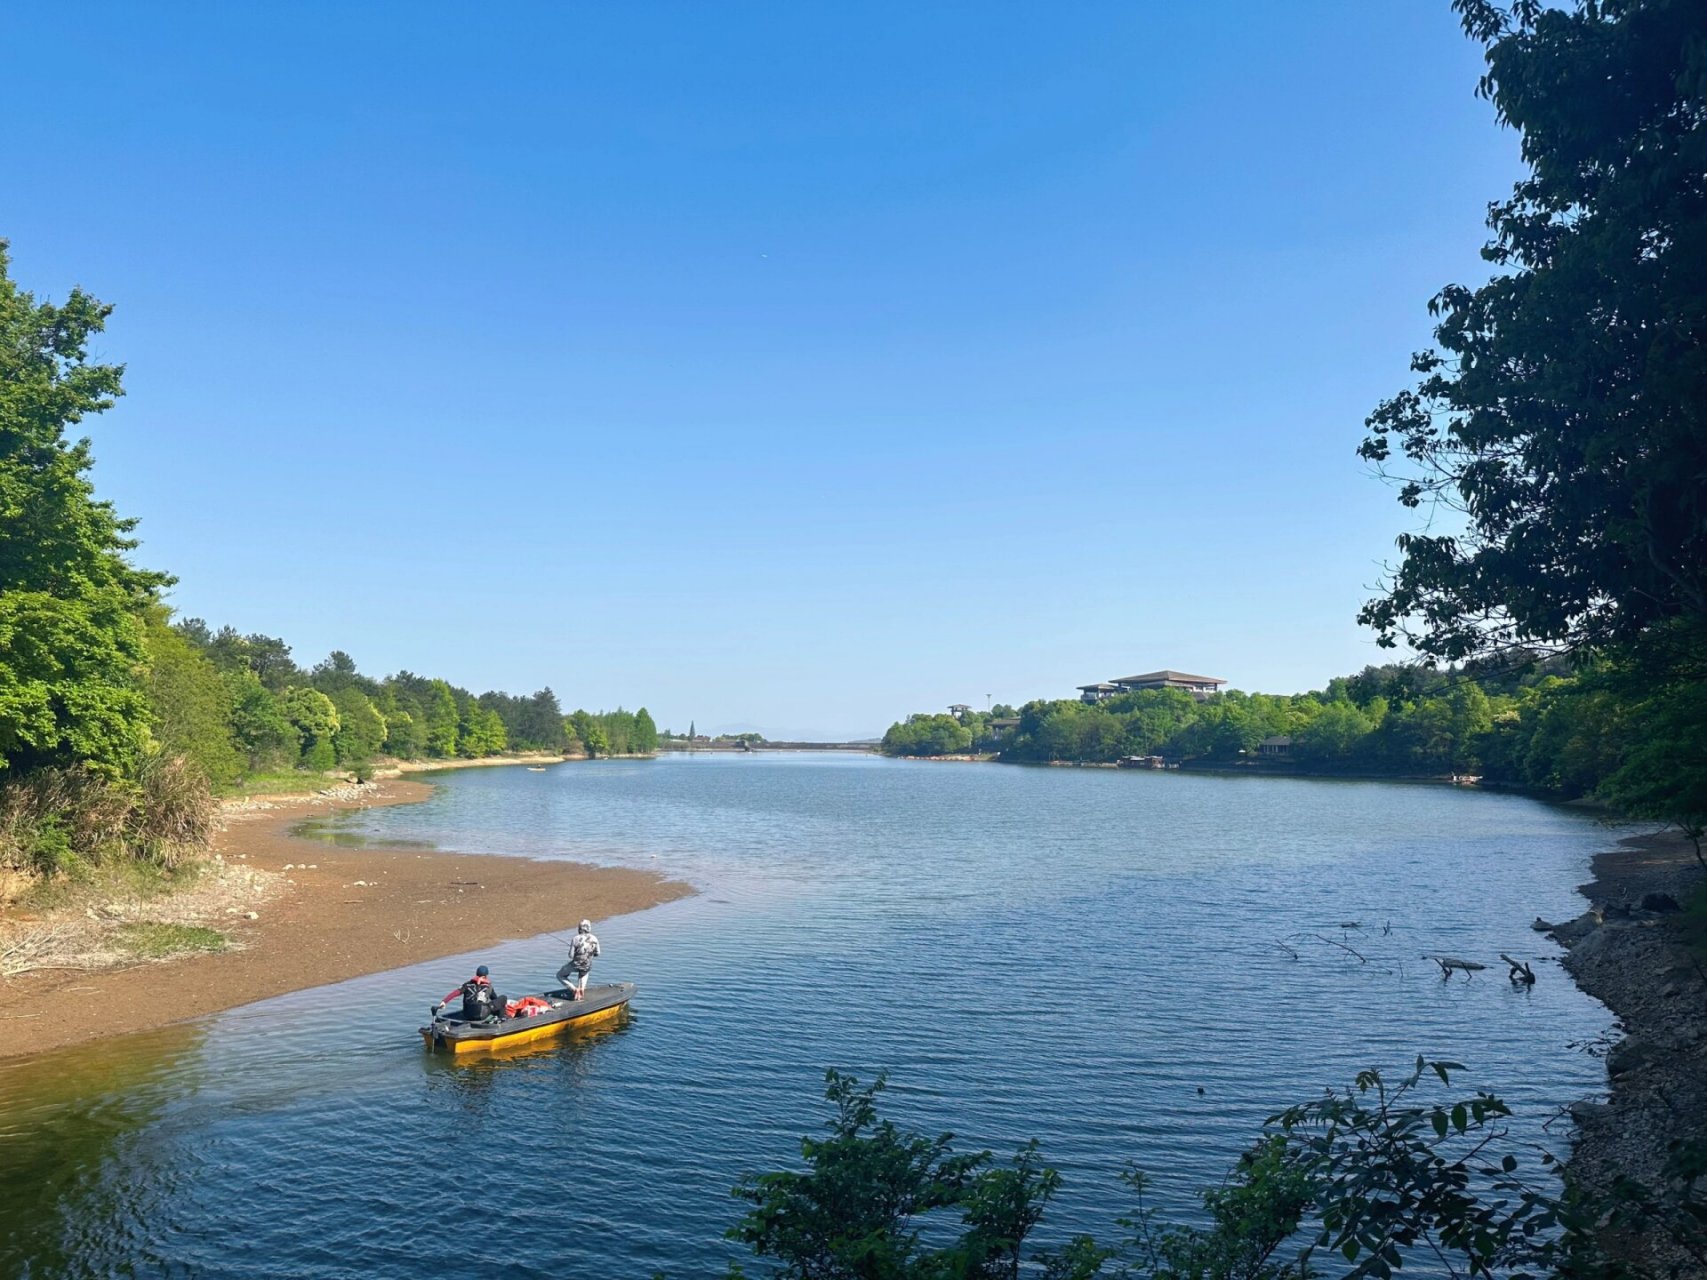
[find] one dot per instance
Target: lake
(1091, 957)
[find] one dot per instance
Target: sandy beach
(320, 914)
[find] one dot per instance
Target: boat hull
(602, 1006)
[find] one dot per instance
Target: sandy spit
(321, 914)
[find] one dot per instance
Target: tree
(316, 722)
(361, 728)
(70, 640)
(1336, 734)
(1563, 415)
(645, 740)
(259, 728)
(481, 732)
(441, 720)
(189, 703)
(403, 737)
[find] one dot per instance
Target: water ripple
(1085, 956)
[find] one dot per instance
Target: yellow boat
(600, 1006)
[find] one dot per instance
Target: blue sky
(777, 366)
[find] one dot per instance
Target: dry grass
(117, 916)
(52, 820)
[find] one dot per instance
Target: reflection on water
(1072, 954)
(344, 830)
(74, 1129)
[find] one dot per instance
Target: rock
(1584, 1111)
(251, 915)
(1540, 925)
(1574, 931)
(1659, 902)
(1627, 1055)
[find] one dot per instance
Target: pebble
(251, 915)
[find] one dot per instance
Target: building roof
(1098, 688)
(1004, 722)
(1157, 677)
(1279, 740)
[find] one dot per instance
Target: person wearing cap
(479, 1000)
(582, 948)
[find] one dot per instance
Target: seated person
(479, 1000)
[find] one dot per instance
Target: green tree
(71, 646)
(316, 722)
(442, 720)
(645, 740)
(259, 728)
(361, 728)
(403, 736)
(1336, 735)
(189, 703)
(482, 732)
(1563, 415)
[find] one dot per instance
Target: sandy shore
(335, 913)
(1634, 959)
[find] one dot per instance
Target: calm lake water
(1070, 954)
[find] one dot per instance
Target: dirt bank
(320, 914)
(1639, 962)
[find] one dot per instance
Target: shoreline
(301, 913)
(1631, 952)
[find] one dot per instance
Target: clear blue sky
(775, 365)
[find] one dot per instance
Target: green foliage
(441, 720)
(1663, 773)
(927, 735)
(189, 702)
(361, 729)
(315, 718)
(480, 732)
(69, 687)
(534, 723)
(1634, 719)
(870, 1190)
(259, 729)
(1563, 417)
(403, 736)
(1358, 1183)
(645, 738)
(588, 732)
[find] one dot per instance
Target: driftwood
(1449, 963)
(1521, 974)
(1342, 946)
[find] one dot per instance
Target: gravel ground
(1634, 959)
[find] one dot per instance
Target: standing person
(582, 948)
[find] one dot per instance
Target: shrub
(176, 810)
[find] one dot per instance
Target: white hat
(586, 926)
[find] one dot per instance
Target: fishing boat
(536, 768)
(537, 1017)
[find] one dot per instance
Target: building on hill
(1169, 680)
(1001, 726)
(1279, 745)
(959, 710)
(1097, 692)
(1197, 686)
